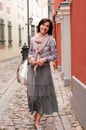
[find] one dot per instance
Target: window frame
(20, 36)
(9, 34)
(2, 33)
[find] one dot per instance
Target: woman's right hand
(32, 61)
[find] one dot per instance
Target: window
(32, 30)
(20, 4)
(20, 41)
(2, 41)
(9, 34)
(1, 6)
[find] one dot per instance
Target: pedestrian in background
(40, 88)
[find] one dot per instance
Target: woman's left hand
(41, 61)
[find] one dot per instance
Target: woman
(41, 94)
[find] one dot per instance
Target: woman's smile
(44, 28)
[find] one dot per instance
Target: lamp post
(30, 27)
(28, 37)
(29, 21)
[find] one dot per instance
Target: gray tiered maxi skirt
(40, 90)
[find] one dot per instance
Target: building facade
(38, 9)
(13, 27)
(62, 35)
(15, 16)
(70, 35)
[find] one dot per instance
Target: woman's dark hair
(44, 20)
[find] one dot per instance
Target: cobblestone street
(14, 114)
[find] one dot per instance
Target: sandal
(39, 127)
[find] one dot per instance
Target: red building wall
(57, 31)
(78, 39)
(58, 39)
(56, 4)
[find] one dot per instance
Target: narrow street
(14, 114)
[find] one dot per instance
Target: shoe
(39, 127)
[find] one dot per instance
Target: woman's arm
(53, 50)
(31, 50)
(31, 53)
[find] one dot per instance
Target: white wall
(38, 11)
(35, 10)
(15, 50)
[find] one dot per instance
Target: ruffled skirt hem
(40, 91)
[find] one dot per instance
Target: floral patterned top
(49, 52)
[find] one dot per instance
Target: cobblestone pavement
(7, 82)
(14, 114)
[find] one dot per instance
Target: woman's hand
(55, 64)
(41, 61)
(32, 61)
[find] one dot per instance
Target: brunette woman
(40, 88)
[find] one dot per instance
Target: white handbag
(22, 73)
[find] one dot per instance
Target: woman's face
(44, 28)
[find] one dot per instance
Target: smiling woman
(40, 88)
(44, 28)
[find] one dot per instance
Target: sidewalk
(14, 114)
(8, 82)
